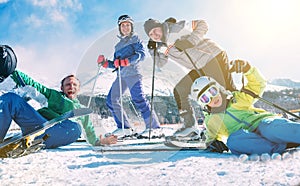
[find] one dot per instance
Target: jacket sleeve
(256, 84)
(161, 58)
(89, 129)
(139, 53)
(18, 76)
(135, 51)
(199, 28)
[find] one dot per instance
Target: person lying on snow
(13, 107)
(233, 119)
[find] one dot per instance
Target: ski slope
(78, 164)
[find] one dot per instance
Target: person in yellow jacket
(233, 119)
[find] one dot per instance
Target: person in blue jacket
(129, 52)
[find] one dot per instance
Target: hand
(183, 44)
(121, 62)
(102, 61)
(152, 44)
(110, 139)
(217, 146)
(239, 66)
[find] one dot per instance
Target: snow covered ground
(78, 164)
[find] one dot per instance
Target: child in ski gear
(234, 120)
(129, 52)
(186, 44)
(14, 108)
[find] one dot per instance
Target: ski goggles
(205, 97)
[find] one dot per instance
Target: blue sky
(51, 36)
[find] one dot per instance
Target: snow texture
(78, 164)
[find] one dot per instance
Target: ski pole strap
(20, 80)
(200, 72)
(249, 92)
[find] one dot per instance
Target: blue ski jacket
(129, 47)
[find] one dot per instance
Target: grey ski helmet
(200, 85)
(8, 61)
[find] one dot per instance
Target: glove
(152, 44)
(102, 61)
(121, 62)
(183, 44)
(217, 146)
(239, 66)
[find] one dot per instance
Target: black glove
(152, 44)
(183, 44)
(239, 66)
(217, 146)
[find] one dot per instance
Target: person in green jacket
(233, 119)
(60, 102)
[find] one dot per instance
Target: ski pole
(193, 63)
(135, 111)
(93, 89)
(121, 99)
(268, 102)
(152, 88)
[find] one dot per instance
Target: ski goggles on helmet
(205, 97)
(125, 19)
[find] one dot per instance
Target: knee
(10, 96)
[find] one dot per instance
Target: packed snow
(78, 164)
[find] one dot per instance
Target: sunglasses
(211, 92)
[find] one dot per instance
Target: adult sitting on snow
(185, 43)
(234, 120)
(17, 109)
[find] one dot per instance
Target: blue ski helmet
(8, 61)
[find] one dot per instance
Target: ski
(160, 147)
(146, 145)
(19, 145)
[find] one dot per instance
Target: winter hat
(150, 24)
(8, 61)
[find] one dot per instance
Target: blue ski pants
(134, 84)
(13, 107)
(271, 136)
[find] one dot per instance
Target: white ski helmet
(200, 85)
(124, 18)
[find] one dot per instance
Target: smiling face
(70, 86)
(156, 34)
(216, 101)
(125, 28)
